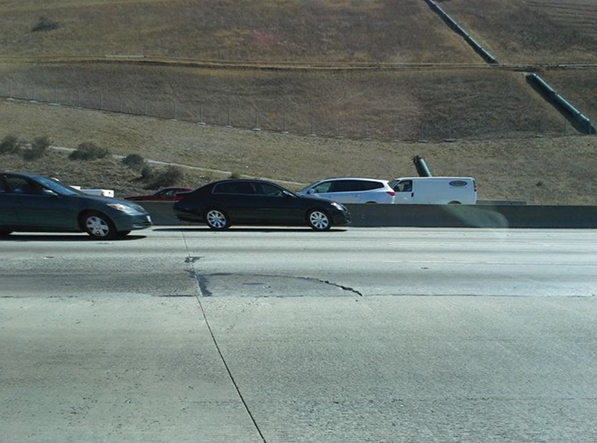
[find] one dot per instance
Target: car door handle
(412, 194)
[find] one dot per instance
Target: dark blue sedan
(34, 203)
(256, 202)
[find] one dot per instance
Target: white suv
(351, 190)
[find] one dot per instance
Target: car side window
(20, 185)
(404, 186)
(321, 188)
(342, 186)
(244, 188)
(269, 190)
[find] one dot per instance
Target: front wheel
(99, 226)
(319, 220)
(217, 220)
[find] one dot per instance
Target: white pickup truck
(98, 192)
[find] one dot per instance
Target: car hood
(109, 200)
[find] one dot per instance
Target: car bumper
(132, 222)
(341, 218)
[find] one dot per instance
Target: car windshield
(58, 187)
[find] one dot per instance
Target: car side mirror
(311, 191)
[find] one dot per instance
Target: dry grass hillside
(276, 30)
(404, 105)
(530, 31)
(538, 170)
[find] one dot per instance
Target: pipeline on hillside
(577, 118)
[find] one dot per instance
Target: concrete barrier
(479, 216)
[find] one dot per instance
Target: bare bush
(37, 150)
(88, 151)
(45, 24)
(170, 176)
(9, 145)
(134, 162)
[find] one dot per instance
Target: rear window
(458, 183)
(234, 188)
(368, 186)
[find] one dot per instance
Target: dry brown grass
(526, 31)
(538, 170)
(330, 30)
(405, 105)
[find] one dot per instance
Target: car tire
(98, 226)
(454, 203)
(5, 233)
(217, 219)
(319, 220)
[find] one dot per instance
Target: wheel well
(454, 203)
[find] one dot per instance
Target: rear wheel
(98, 226)
(216, 219)
(318, 220)
(454, 203)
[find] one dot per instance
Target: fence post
(229, 125)
(10, 92)
(175, 110)
(367, 135)
(395, 132)
(201, 115)
(79, 97)
(313, 127)
(256, 127)
(284, 130)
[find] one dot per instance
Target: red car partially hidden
(165, 195)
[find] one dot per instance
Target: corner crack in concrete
(327, 282)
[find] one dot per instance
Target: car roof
(434, 178)
(352, 178)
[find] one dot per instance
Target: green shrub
(134, 162)
(235, 175)
(9, 145)
(88, 151)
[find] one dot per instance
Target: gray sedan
(34, 203)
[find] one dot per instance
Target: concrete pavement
(384, 335)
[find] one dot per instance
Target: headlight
(125, 208)
(338, 206)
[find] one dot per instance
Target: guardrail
(440, 216)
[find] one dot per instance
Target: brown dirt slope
(279, 30)
(538, 170)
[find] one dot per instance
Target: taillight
(392, 193)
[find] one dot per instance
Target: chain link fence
(287, 121)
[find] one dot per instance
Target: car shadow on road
(64, 238)
(244, 229)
